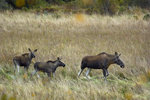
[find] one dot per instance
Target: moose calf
(48, 67)
(24, 60)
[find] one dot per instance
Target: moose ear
(116, 53)
(58, 58)
(35, 50)
(29, 49)
(119, 55)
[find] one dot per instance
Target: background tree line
(89, 6)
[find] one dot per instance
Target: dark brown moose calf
(24, 60)
(100, 61)
(48, 67)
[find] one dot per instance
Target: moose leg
(38, 75)
(104, 73)
(15, 69)
(34, 72)
(49, 74)
(18, 68)
(26, 68)
(15, 65)
(107, 72)
(87, 73)
(80, 72)
(53, 74)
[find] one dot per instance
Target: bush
(4, 5)
(146, 17)
(40, 4)
(108, 6)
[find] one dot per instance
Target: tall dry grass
(72, 37)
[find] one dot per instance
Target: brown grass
(73, 37)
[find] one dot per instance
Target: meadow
(71, 37)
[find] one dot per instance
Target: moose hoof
(88, 77)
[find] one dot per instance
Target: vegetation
(72, 37)
(110, 7)
(4, 5)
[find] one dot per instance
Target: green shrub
(40, 4)
(146, 17)
(4, 5)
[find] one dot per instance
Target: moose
(100, 61)
(48, 67)
(24, 60)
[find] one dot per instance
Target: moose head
(118, 61)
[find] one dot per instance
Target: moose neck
(111, 60)
(55, 66)
(30, 56)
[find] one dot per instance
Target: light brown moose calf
(24, 60)
(48, 67)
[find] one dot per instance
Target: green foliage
(6, 75)
(4, 5)
(146, 17)
(55, 1)
(3, 96)
(142, 3)
(64, 73)
(109, 7)
(124, 90)
(121, 9)
(40, 4)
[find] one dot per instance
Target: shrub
(4, 5)
(146, 17)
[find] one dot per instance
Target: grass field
(72, 37)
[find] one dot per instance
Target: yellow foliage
(31, 2)
(148, 74)
(25, 76)
(3, 97)
(80, 17)
(87, 2)
(12, 98)
(32, 94)
(70, 95)
(69, 92)
(128, 96)
(20, 3)
(142, 79)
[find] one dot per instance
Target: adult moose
(100, 61)
(24, 60)
(48, 67)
